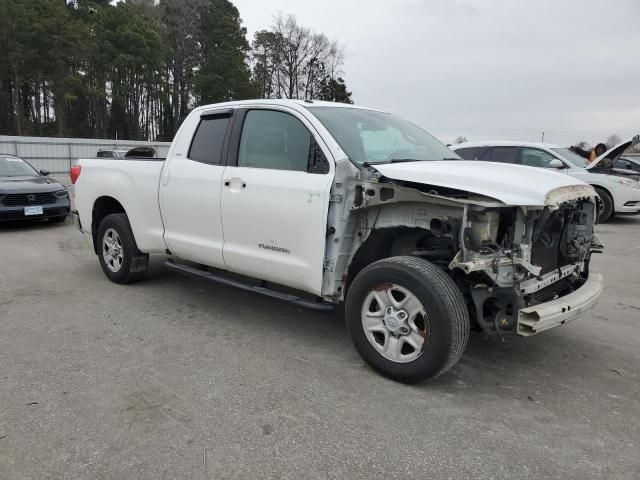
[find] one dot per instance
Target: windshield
(375, 137)
(15, 167)
(572, 157)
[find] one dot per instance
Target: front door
(275, 200)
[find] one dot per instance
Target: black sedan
(28, 194)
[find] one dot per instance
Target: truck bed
(135, 183)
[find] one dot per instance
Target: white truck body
(315, 228)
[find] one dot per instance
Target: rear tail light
(74, 173)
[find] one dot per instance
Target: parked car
(318, 203)
(608, 162)
(620, 195)
(628, 163)
(26, 194)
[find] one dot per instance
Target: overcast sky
(499, 69)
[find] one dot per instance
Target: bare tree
(613, 140)
(292, 61)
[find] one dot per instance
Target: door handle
(227, 183)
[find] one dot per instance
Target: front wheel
(607, 205)
(407, 319)
(120, 259)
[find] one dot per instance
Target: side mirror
(44, 173)
(555, 163)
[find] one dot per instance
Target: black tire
(134, 263)
(57, 219)
(443, 304)
(607, 205)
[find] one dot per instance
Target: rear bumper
(532, 320)
(76, 220)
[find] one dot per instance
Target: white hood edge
(514, 185)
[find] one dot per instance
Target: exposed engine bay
(519, 257)
(507, 260)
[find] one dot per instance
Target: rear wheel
(407, 319)
(120, 259)
(607, 205)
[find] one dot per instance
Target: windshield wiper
(393, 160)
(402, 160)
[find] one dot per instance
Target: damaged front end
(526, 269)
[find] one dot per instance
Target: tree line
(134, 69)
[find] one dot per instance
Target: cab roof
(284, 102)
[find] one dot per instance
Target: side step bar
(285, 297)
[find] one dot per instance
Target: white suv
(620, 195)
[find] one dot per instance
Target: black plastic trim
(227, 112)
(285, 297)
(233, 146)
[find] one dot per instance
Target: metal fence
(58, 154)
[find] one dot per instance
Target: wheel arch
(601, 187)
(399, 241)
(608, 192)
(103, 206)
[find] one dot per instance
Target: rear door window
(474, 153)
(505, 154)
(208, 140)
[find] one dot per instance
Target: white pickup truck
(318, 204)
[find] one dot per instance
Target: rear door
(190, 189)
(275, 198)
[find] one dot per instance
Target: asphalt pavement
(173, 378)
